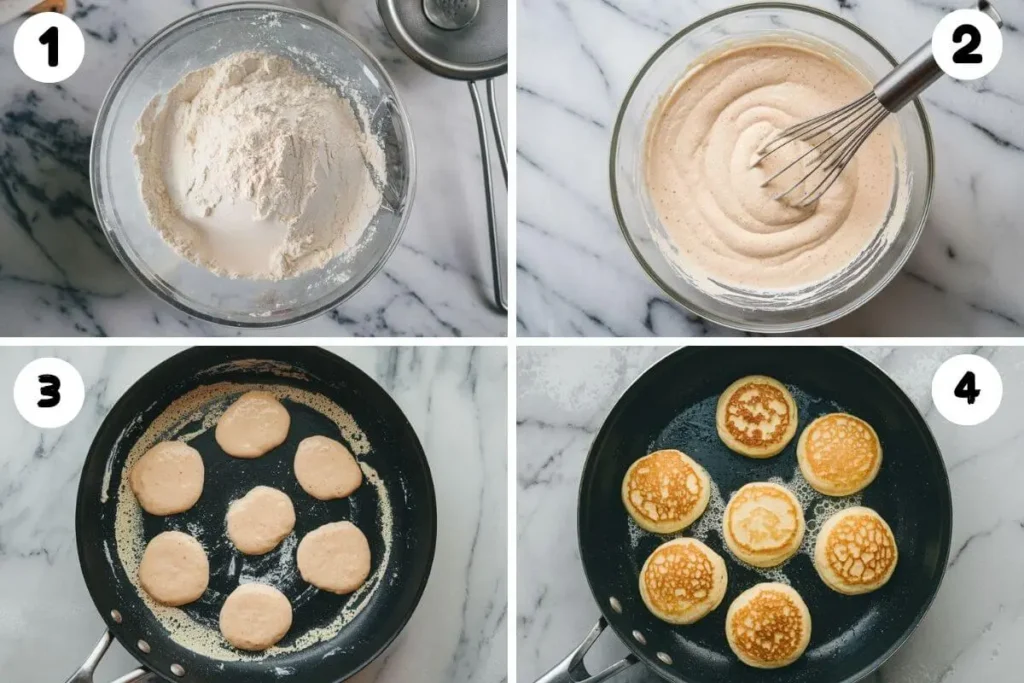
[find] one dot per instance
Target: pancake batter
(334, 557)
(700, 145)
(174, 569)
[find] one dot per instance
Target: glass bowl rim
(819, 319)
(331, 301)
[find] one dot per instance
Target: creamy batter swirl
(700, 145)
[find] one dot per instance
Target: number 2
(967, 54)
(49, 39)
(50, 391)
(965, 388)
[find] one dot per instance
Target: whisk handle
(906, 81)
(918, 71)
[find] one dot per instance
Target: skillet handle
(84, 673)
(572, 670)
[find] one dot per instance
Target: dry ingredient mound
(252, 168)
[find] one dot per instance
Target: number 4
(965, 388)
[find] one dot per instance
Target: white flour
(251, 168)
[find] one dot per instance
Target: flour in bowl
(252, 168)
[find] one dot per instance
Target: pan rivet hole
(144, 646)
(665, 658)
(115, 615)
(177, 669)
(615, 604)
(639, 637)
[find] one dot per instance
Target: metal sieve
(464, 40)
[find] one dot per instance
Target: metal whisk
(836, 136)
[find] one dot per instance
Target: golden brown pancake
(665, 491)
(682, 581)
(763, 524)
(855, 551)
(757, 416)
(768, 626)
(839, 454)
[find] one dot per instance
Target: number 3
(50, 391)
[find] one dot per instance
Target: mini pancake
(763, 524)
(756, 417)
(682, 581)
(168, 478)
(174, 569)
(665, 491)
(855, 551)
(839, 454)
(253, 425)
(255, 616)
(768, 626)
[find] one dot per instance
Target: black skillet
(396, 455)
(672, 406)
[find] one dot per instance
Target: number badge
(49, 392)
(49, 47)
(967, 44)
(967, 389)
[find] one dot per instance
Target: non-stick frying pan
(395, 453)
(672, 406)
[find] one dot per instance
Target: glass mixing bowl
(781, 310)
(316, 46)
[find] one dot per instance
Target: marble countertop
(455, 399)
(972, 632)
(58, 276)
(575, 274)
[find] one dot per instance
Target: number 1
(49, 39)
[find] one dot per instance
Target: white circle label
(49, 47)
(967, 44)
(49, 392)
(967, 389)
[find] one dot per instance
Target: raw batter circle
(174, 569)
(255, 616)
(168, 478)
(260, 520)
(253, 425)
(326, 469)
(335, 557)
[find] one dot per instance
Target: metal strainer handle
(485, 163)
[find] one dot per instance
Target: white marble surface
(575, 274)
(58, 276)
(455, 399)
(973, 631)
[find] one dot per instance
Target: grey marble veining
(975, 627)
(455, 399)
(58, 276)
(575, 274)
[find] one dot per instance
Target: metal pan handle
(572, 670)
(499, 139)
(492, 226)
(84, 673)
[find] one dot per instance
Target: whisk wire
(817, 145)
(805, 129)
(845, 155)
